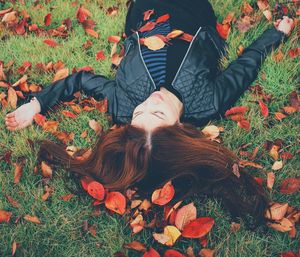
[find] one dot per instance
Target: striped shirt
(156, 61)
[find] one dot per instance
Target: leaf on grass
(270, 180)
(114, 39)
(48, 19)
(198, 228)
(12, 98)
(246, 8)
(137, 224)
(14, 248)
(279, 116)
(173, 234)
(46, 170)
(264, 109)
(5, 216)
(136, 245)
(236, 110)
(161, 238)
(234, 227)
(223, 30)
(94, 125)
(277, 165)
(61, 74)
(295, 52)
(211, 132)
(290, 185)
(67, 198)
(96, 190)
(284, 225)
(173, 253)
(244, 124)
(294, 100)
(69, 114)
(100, 56)
(151, 253)
(147, 14)
(20, 81)
(18, 173)
(163, 195)
(50, 42)
(92, 33)
(85, 181)
(82, 14)
(206, 253)
(185, 215)
(277, 211)
(263, 4)
(50, 126)
(32, 219)
(12, 201)
(244, 163)
(116, 202)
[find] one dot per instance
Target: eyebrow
(139, 113)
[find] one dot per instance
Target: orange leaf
(246, 8)
(61, 74)
(173, 253)
(114, 39)
(175, 33)
(137, 224)
(94, 125)
(5, 216)
(32, 219)
(76, 108)
(50, 126)
(244, 124)
(18, 173)
(48, 19)
(277, 211)
(46, 170)
(185, 215)
(50, 42)
(96, 190)
(206, 253)
(92, 33)
(236, 110)
(116, 202)
(135, 245)
(223, 30)
(14, 248)
(147, 14)
(68, 114)
(67, 198)
(164, 195)
(295, 52)
(154, 43)
(163, 18)
(290, 185)
(264, 109)
(151, 253)
(279, 116)
(283, 225)
(198, 228)
(147, 27)
(270, 180)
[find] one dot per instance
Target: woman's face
(156, 111)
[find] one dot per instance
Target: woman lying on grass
(153, 93)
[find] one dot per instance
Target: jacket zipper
(186, 54)
(140, 52)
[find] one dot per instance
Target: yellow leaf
(277, 165)
(173, 233)
(154, 43)
(211, 131)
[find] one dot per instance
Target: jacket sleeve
(229, 85)
(62, 90)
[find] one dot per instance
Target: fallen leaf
(295, 52)
(114, 39)
(211, 132)
(173, 234)
(96, 190)
(270, 180)
(185, 215)
(69, 114)
(223, 30)
(48, 19)
(173, 253)
(294, 100)
(268, 15)
(161, 238)
(164, 195)
(12, 201)
(283, 225)
(100, 56)
(61, 74)
(92, 33)
(264, 109)
(13, 248)
(67, 198)
(46, 170)
(290, 185)
(137, 224)
(18, 173)
(244, 124)
(5, 216)
(32, 219)
(280, 116)
(234, 227)
(115, 201)
(85, 181)
(246, 8)
(277, 211)
(277, 165)
(237, 110)
(50, 42)
(198, 228)
(151, 253)
(136, 245)
(206, 253)
(82, 14)
(12, 98)
(94, 125)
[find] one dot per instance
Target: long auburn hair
(129, 156)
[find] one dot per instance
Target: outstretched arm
(233, 81)
(62, 90)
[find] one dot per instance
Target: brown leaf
(270, 180)
(294, 100)
(137, 224)
(206, 253)
(277, 211)
(50, 126)
(46, 170)
(245, 163)
(12, 201)
(61, 74)
(135, 245)
(12, 98)
(48, 19)
(246, 8)
(18, 173)
(283, 225)
(290, 185)
(234, 227)
(10, 19)
(32, 219)
(92, 33)
(94, 125)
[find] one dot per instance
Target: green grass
(61, 232)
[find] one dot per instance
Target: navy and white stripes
(156, 61)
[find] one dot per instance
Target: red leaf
(198, 228)
(236, 109)
(264, 109)
(163, 195)
(163, 18)
(173, 253)
(287, 155)
(244, 124)
(259, 180)
(39, 119)
(68, 114)
(50, 42)
(147, 14)
(293, 53)
(96, 190)
(116, 202)
(114, 39)
(85, 181)
(82, 14)
(5, 216)
(148, 26)
(151, 253)
(223, 30)
(186, 37)
(100, 55)
(290, 185)
(289, 254)
(85, 68)
(48, 19)
(20, 28)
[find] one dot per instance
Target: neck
(174, 99)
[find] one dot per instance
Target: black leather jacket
(206, 92)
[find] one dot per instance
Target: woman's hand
(23, 116)
(285, 25)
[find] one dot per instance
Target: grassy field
(62, 232)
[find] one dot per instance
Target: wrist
(36, 105)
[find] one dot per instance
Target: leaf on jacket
(147, 14)
(163, 195)
(147, 27)
(198, 228)
(290, 185)
(116, 202)
(96, 190)
(163, 18)
(154, 43)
